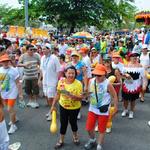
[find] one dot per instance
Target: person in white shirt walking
(9, 89)
(50, 68)
(145, 62)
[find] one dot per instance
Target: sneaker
(90, 144)
(148, 123)
(96, 128)
(12, 129)
(10, 123)
(29, 104)
(124, 113)
(79, 116)
(99, 147)
(108, 130)
(131, 115)
(34, 105)
(49, 118)
(47, 114)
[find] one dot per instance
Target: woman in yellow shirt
(69, 95)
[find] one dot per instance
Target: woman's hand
(52, 108)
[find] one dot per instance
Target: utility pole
(26, 13)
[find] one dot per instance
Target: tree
(78, 13)
(127, 12)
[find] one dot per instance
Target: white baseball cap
(47, 45)
(144, 46)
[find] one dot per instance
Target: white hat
(144, 46)
(47, 45)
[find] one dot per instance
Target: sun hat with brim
(99, 70)
(133, 55)
(4, 57)
(75, 53)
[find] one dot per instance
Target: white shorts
(50, 91)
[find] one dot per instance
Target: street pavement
(127, 134)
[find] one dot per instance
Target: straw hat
(75, 53)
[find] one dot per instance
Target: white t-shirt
(145, 60)
(3, 133)
(8, 85)
(62, 48)
(50, 67)
(104, 97)
(87, 62)
(118, 66)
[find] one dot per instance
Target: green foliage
(104, 14)
(78, 13)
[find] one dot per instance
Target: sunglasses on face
(98, 75)
(31, 49)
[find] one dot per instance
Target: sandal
(59, 145)
(76, 140)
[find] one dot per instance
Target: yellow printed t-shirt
(75, 88)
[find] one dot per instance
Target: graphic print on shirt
(4, 82)
(134, 84)
(100, 94)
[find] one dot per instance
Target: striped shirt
(30, 72)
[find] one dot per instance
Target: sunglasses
(98, 75)
(31, 49)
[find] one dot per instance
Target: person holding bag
(101, 91)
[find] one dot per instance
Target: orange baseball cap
(4, 57)
(83, 50)
(99, 70)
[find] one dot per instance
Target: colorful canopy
(82, 35)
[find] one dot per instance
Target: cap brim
(95, 72)
(5, 60)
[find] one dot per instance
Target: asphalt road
(33, 130)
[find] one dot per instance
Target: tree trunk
(72, 29)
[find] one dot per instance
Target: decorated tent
(143, 16)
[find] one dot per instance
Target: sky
(141, 4)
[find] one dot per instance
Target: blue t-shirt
(79, 66)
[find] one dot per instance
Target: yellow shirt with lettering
(75, 88)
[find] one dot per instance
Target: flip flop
(59, 145)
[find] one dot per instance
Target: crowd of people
(72, 72)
